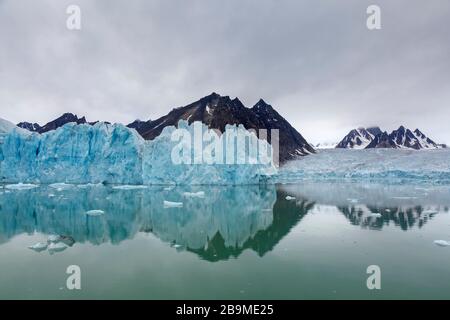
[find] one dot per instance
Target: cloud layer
(314, 61)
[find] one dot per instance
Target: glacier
(370, 165)
(114, 154)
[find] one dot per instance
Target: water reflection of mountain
(223, 223)
(286, 214)
(373, 206)
(376, 217)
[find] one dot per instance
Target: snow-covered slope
(325, 145)
(388, 165)
(403, 138)
(6, 126)
(359, 138)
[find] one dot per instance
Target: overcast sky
(314, 61)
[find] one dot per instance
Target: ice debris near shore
(389, 165)
(115, 154)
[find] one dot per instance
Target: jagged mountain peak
(217, 111)
(358, 138)
(404, 138)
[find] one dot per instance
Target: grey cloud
(315, 61)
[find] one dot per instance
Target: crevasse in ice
(115, 154)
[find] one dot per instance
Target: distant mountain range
(216, 112)
(402, 138)
(54, 124)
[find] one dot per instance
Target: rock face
(53, 125)
(369, 138)
(33, 127)
(403, 138)
(359, 138)
(217, 111)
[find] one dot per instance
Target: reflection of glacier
(222, 224)
(373, 205)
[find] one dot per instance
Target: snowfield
(388, 165)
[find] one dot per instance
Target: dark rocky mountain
(382, 141)
(138, 125)
(404, 138)
(53, 125)
(59, 122)
(33, 127)
(217, 111)
(359, 138)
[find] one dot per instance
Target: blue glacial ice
(387, 165)
(115, 154)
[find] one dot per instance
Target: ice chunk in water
(21, 186)
(290, 198)
(95, 212)
(130, 187)
(171, 204)
(442, 243)
(53, 238)
(199, 194)
(56, 247)
(38, 247)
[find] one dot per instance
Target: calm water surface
(233, 243)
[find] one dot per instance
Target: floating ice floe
(430, 212)
(54, 238)
(375, 215)
(199, 194)
(38, 247)
(95, 212)
(353, 200)
(21, 186)
(290, 198)
(56, 247)
(130, 187)
(88, 185)
(442, 243)
(171, 204)
(60, 186)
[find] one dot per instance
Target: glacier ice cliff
(115, 154)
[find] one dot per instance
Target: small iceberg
(38, 247)
(60, 186)
(56, 247)
(95, 212)
(67, 240)
(53, 238)
(170, 204)
(442, 243)
(130, 187)
(375, 215)
(199, 194)
(21, 186)
(290, 198)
